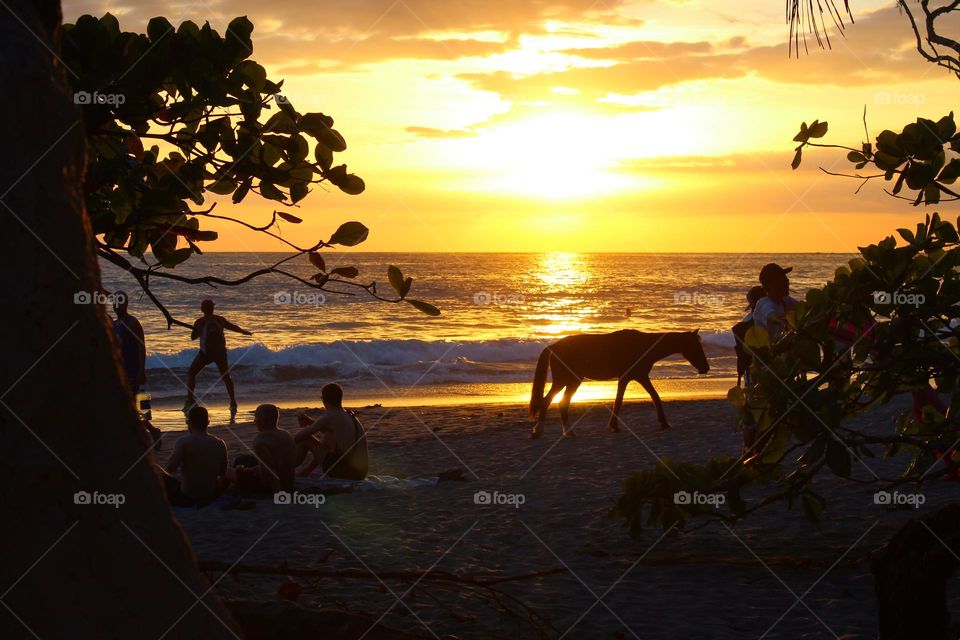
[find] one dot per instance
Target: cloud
(365, 31)
(440, 134)
(876, 51)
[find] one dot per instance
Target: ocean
(498, 312)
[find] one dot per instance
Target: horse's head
(692, 350)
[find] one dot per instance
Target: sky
(581, 125)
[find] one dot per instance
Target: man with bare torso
(200, 459)
(209, 329)
(336, 440)
(271, 467)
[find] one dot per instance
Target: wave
(398, 362)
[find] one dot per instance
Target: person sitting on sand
(209, 329)
(271, 467)
(201, 460)
(771, 311)
(336, 440)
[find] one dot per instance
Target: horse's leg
(614, 424)
(644, 381)
(547, 399)
(565, 406)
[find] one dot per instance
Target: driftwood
(284, 620)
(910, 575)
(258, 619)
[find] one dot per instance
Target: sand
(773, 575)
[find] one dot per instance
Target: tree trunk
(911, 573)
(66, 420)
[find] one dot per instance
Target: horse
(622, 355)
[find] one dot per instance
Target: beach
(774, 575)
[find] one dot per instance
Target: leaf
(353, 185)
(174, 258)
(798, 156)
(289, 217)
(269, 191)
(314, 122)
(324, 156)
(757, 338)
(396, 279)
(424, 307)
(317, 260)
(907, 235)
(856, 156)
(157, 28)
(346, 272)
(350, 234)
(818, 129)
(838, 458)
(803, 135)
(242, 191)
(222, 187)
(950, 172)
(298, 192)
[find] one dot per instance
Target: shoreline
(167, 414)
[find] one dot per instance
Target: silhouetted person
(200, 459)
(336, 440)
(771, 310)
(271, 468)
(740, 334)
(209, 329)
(133, 350)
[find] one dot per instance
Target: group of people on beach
(197, 471)
(767, 307)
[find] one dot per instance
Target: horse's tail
(539, 381)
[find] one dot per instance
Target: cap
(773, 271)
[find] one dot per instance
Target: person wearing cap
(209, 329)
(133, 350)
(771, 311)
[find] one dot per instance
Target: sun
(561, 155)
(555, 156)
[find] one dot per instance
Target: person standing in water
(133, 349)
(209, 329)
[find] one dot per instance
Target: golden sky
(581, 125)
